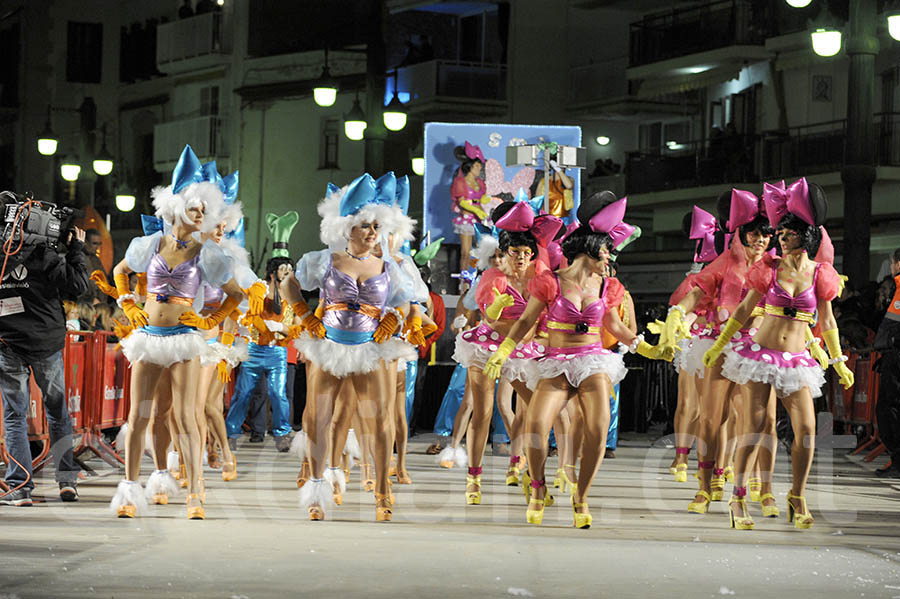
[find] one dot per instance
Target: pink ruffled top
(723, 281)
(561, 309)
(763, 277)
(494, 278)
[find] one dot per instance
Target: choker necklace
(366, 257)
(181, 244)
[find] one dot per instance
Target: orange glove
(227, 339)
(140, 288)
(294, 331)
(121, 330)
(256, 296)
(429, 329)
(138, 317)
(99, 279)
(223, 371)
(311, 322)
(192, 319)
(386, 327)
(413, 330)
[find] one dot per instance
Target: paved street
(256, 542)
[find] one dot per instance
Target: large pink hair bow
(793, 199)
(703, 229)
(521, 218)
(744, 208)
(826, 248)
(609, 221)
(474, 152)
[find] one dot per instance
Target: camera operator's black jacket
(42, 279)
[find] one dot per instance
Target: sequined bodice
(181, 281)
(340, 288)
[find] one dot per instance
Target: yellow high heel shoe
(537, 516)
(754, 485)
(680, 473)
(392, 469)
(383, 513)
(717, 485)
(768, 511)
(673, 470)
(700, 507)
(512, 473)
(729, 474)
(526, 485)
(195, 511)
(568, 485)
(474, 479)
(182, 476)
(802, 519)
(744, 522)
(580, 519)
(558, 480)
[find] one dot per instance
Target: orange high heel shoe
(229, 470)
(385, 512)
(368, 479)
(182, 476)
(195, 511)
(403, 477)
(304, 475)
(392, 469)
(212, 458)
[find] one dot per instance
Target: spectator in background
(186, 11)
(87, 314)
(92, 243)
(887, 410)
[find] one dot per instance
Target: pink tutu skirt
(577, 363)
(787, 372)
(475, 346)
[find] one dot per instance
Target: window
(84, 52)
(328, 147)
(209, 101)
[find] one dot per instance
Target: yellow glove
(192, 319)
(295, 331)
(656, 327)
(99, 279)
(501, 300)
(815, 350)
(223, 372)
(227, 339)
(413, 330)
(648, 351)
(712, 354)
(674, 329)
(311, 322)
(386, 327)
(256, 296)
(495, 363)
(833, 343)
(468, 205)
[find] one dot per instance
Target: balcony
(446, 86)
(205, 134)
(198, 42)
(803, 150)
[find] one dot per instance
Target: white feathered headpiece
(364, 200)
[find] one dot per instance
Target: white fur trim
(215, 353)
(352, 447)
(172, 461)
(464, 229)
(692, 359)
(786, 381)
(485, 250)
(317, 491)
(129, 493)
(472, 355)
(342, 360)
(161, 481)
(238, 352)
(578, 368)
(122, 298)
(462, 456)
(140, 346)
(120, 438)
(401, 225)
(336, 475)
(448, 454)
(298, 446)
(172, 207)
(334, 230)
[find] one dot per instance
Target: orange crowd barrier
(855, 407)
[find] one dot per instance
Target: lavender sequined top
(181, 281)
(212, 297)
(340, 288)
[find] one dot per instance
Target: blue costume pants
(612, 437)
(269, 362)
(443, 424)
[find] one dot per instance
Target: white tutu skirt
(476, 353)
(233, 354)
(787, 372)
(164, 350)
(578, 363)
(691, 360)
(342, 360)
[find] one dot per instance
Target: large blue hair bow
(484, 231)
(402, 196)
(365, 190)
(151, 224)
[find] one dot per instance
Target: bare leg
(162, 417)
(144, 379)
(318, 413)
(801, 409)
(465, 247)
(563, 427)
(754, 399)
(504, 406)
(216, 418)
(576, 436)
(401, 426)
(712, 416)
(687, 415)
(482, 407)
(765, 458)
(593, 397)
(461, 420)
(548, 399)
(184, 379)
(374, 405)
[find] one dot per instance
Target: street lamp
(826, 41)
(893, 21)
(325, 89)
(69, 170)
(602, 140)
(125, 202)
(355, 121)
(418, 159)
(395, 114)
(47, 140)
(798, 3)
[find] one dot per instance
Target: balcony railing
(198, 36)
(801, 150)
(442, 78)
(697, 29)
(205, 134)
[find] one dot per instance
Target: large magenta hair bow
(474, 152)
(703, 229)
(793, 199)
(744, 208)
(521, 218)
(609, 221)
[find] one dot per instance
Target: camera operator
(32, 336)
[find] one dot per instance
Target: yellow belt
(554, 325)
(790, 313)
(365, 309)
(757, 311)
